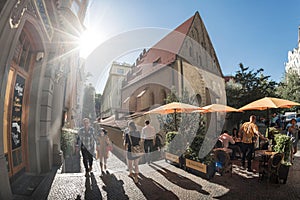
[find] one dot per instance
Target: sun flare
(88, 41)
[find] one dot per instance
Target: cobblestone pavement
(161, 180)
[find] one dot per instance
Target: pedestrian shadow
(153, 190)
(179, 180)
(113, 186)
(92, 190)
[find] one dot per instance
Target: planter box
(196, 165)
(208, 171)
(173, 159)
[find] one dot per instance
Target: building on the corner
(293, 62)
(111, 97)
(184, 60)
(229, 78)
(40, 74)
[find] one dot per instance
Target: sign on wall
(16, 134)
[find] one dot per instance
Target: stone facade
(38, 72)
(111, 97)
(184, 60)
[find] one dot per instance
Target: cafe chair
(272, 167)
(223, 162)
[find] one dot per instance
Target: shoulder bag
(136, 150)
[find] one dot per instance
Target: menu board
(16, 130)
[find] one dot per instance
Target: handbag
(137, 150)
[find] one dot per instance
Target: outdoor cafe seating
(269, 164)
(222, 158)
(223, 162)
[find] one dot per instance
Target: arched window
(191, 51)
(199, 99)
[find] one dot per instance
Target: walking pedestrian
(86, 141)
(103, 147)
(148, 139)
(125, 132)
(133, 138)
(249, 131)
(292, 131)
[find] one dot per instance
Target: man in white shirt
(148, 137)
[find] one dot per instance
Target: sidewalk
(161, 180)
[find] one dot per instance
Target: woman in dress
(103, 143)
(132, 138)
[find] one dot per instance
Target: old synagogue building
(183, 60)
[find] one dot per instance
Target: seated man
(227, 139)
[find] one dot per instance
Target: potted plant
(67, 141)
(203, 166)
(283, 145)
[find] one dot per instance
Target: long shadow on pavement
(240, 186)
(92, 190)
(179, 180)
(113, 186)
(153, 190)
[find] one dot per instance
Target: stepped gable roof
(165, 51)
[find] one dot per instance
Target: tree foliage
(289, 88)
(248, 86)
(88, 107)
(98, 98)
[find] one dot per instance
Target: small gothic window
(199, 99)
(191, 51)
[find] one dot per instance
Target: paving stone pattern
(160, 180)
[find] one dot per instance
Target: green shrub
(283, 145)
(68, 139)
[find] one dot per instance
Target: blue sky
(257, 33)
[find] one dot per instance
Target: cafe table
(266, 153)
(264, 156)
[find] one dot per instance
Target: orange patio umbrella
(269, 102)
(217, 108)
(174, 107)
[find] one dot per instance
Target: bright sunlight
(88, 41)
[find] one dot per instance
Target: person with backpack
(86, 141)
(249, 131)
